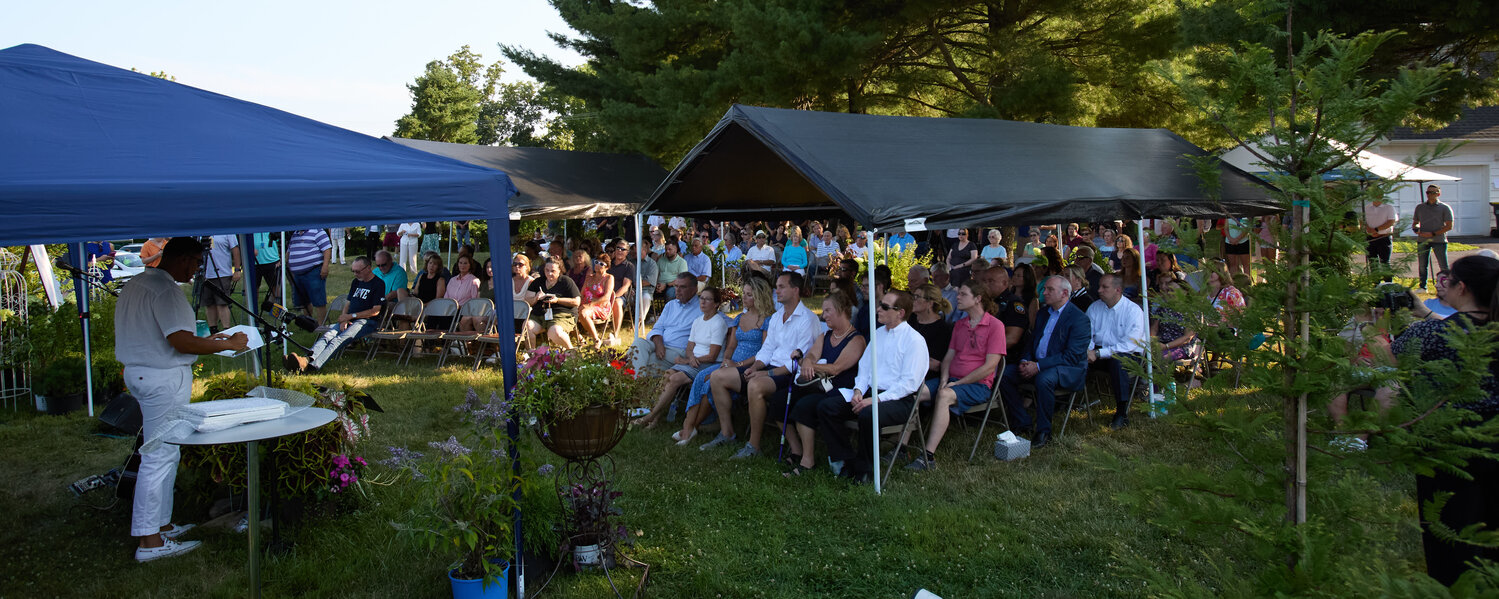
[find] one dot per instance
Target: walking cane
(786, 414)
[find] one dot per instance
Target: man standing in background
(1433, 219)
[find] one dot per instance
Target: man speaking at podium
(156, 340)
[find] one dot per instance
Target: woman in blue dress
(746, 335)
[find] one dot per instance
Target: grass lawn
(1408, 246)
(1046, 526)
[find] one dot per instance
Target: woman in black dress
(961, 257)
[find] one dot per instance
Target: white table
(251, 435)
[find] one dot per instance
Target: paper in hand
(252, 340)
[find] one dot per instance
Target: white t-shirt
(220, 262)
(763, 253)
(151, 307)
(1377, 214)
(706, 333)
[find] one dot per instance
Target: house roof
(1475, 123)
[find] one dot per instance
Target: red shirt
(972, 345)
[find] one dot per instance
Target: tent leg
(1145, 297)
(874, 377)
(81, 290)
(281, 252)
(639, 293)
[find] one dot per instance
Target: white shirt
(1118, 330)
(151, 307)
(655, 220)
(677, 222)
(707, 333)
(824, 250)
(903, 362)
(861, 251)
(783, 337)
(761, 253)
(409, 229)
(219, 262)
(1377, 214)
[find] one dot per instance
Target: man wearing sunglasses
(624, 285)
(902, 367)
(698, 263)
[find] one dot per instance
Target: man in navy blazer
(1055, 357)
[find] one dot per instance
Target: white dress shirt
(785, 336)
(1118, 330)
(903, 362)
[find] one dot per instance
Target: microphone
(59, 262)
(303, 321)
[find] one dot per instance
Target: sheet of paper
(252, 342)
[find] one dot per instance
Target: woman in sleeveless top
(961, 258)
(598, 298)
(746, 335)
(835, 355)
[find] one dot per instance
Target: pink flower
(343, 478)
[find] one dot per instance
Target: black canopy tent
(909, 173)
(560, 184)
(895, 173)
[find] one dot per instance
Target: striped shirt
(305, 250)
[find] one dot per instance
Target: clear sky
(338, 61)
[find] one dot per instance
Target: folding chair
(988, 406)
(1065, 397)
(335, 308)
(437, 308)
(411, 308)
(479, 307)
(900, 432)
(492, 337)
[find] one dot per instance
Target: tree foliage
(1295, 507)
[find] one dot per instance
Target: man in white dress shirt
(902, 367)
(1120, 334)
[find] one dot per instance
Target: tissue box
(1012, 450)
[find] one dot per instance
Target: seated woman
(835, 357)
(746, 335)
(1169, 326)
(554, 304)
(598, 298)
(578, 263)
(794, 257)
(994, 249)
(1227, 299)
(703, 346)
(430, 285)
(929, 317)
(967, 370)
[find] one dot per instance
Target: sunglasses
(885, 306)
(599, 263)
(517, 263)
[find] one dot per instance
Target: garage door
(1469, 199)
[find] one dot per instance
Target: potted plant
(63, 384)
(576, 399)
(593, 533)
(470, 498)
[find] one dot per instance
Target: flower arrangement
(556, 385)
(590, 512)
(470, 487)
(345, 473)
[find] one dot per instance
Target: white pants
(409, 254)
(338, 250)
(644, 358)
(158, 390)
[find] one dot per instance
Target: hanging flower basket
(587, 435)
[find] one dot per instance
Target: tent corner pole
(282, 254)
(1145, 297)
(81, 291)
(499, 244)
(874, 374)
(639, 279)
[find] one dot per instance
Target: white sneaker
(177, 531)
(168, 548)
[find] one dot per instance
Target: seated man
(668, 340)
(359, 318)
(788, 337)
(699, 263)
(901, 368)
(1055, 357)
(1120, 334)
(392, 275)
(668, 267)
(967, 371)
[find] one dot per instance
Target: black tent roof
(891, 172)
(560, 184)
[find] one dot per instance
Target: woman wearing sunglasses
(598, 297)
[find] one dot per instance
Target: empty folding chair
(437, 308)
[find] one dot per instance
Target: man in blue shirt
(392, 275)
(668, 339)
(1055, 357)
(359, 318)
(901, 241)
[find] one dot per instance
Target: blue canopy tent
(97, 152)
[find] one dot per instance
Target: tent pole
(281, 253)
(504, 312)
(639, 293)
(453, 226)
(81, 291)
(252, 291)
(723, 258)
(1145, 296)
(874, 376)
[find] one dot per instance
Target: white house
(1477, 162)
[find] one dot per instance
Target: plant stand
(588, 474)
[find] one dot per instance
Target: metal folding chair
(900, 432)
(409, 308)
(478, 307)
(437, 308)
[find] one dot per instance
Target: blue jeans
(310, 286)
(1047, 382)
(334, 340)
(1423, 258)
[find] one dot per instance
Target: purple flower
(545, 469)
(400, 457)
(451, 447)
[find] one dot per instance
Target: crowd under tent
(895, 173)
(560, 184)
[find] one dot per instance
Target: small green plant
(558, 384)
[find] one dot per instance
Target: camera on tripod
(108, 479)
(1394, 297)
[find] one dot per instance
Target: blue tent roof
(96, 152)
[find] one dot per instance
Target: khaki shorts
(564, 320)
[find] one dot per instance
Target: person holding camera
(156, 340)
(554, 303)
(1470, 290)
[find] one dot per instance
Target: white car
(126, 265)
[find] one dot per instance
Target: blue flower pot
(476, 589)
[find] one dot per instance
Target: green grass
(1046, 526)
(1409, 247)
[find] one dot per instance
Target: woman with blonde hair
(929, 318)
(745, 336)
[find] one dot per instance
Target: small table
(251, 435)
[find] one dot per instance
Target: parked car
(134, 248)
(126, 265)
